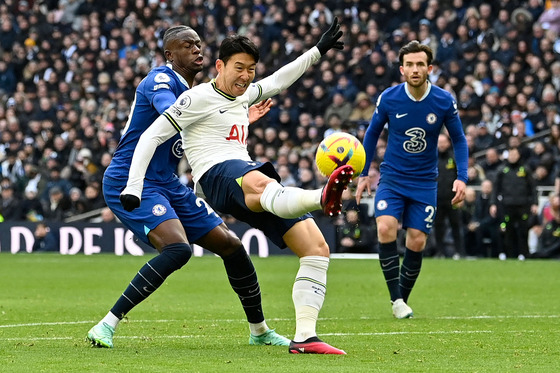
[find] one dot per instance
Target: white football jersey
(213, 124)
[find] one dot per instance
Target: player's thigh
(419, 215)
(305, 238)
(253, 185)
(154, 209)
(388, 201)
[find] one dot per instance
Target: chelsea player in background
(415, 112)
(170, 214)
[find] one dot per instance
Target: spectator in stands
(45, 239)
(339, 106)
(353, 236)
(10, 208)
(31, 206)
(514, 191)
(363, 109)
(57, 206)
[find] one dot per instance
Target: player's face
(235, 76)
(415, 69)
(186, 52)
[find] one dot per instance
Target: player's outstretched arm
(330, 39)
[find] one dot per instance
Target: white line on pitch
(480, 317)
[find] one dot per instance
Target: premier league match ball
(340, 149)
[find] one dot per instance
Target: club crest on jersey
(177, 149)
(184, 102)
(159, 210)
(382, 205)
(162, 78)
(431, 118)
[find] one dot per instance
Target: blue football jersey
(159, 90)
(414, 127)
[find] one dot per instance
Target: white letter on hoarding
(15, 232)
(119, 241)
(89, 247)
(130, 246)
(262, 243)
(65, 233)
(197, 250)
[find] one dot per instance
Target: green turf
(470, 316)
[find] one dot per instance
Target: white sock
(308, 294)
(111, 319)
(289, 202)
(258, 329)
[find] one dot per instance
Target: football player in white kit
(213, 121)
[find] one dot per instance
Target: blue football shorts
(414, 205)
(222, 187)
(161, 202)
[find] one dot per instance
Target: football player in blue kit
(414, 112)
(171, 215)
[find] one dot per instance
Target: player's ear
(168, 55)
(219, 65)
(401, 69)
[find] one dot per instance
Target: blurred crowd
(69, 68)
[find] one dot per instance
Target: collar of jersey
(181, 79)
(222, 93)
(423, 97)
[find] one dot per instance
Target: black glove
(129, 201)
(330, 38)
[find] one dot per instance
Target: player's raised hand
(129, 201)
(257, 111)
(364, 184)
(330, 38)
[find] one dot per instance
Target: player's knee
(221, 241)
(178, 253)
(386, 232)
(232, 243)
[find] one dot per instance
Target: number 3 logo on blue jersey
(417, 142)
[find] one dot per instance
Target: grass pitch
(470, 316)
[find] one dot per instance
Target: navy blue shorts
(222, 187)
(160, 203)
(416, 206)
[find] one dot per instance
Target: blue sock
(243, 279)
(151, 276)
(412, 262)
(389, 261)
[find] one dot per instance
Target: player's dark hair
(415, 47)
(234, 44)
(172, 34)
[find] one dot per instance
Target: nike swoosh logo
(268, 343)
(223, 111)
(145, 288)
(401, 115)
(386, 264)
